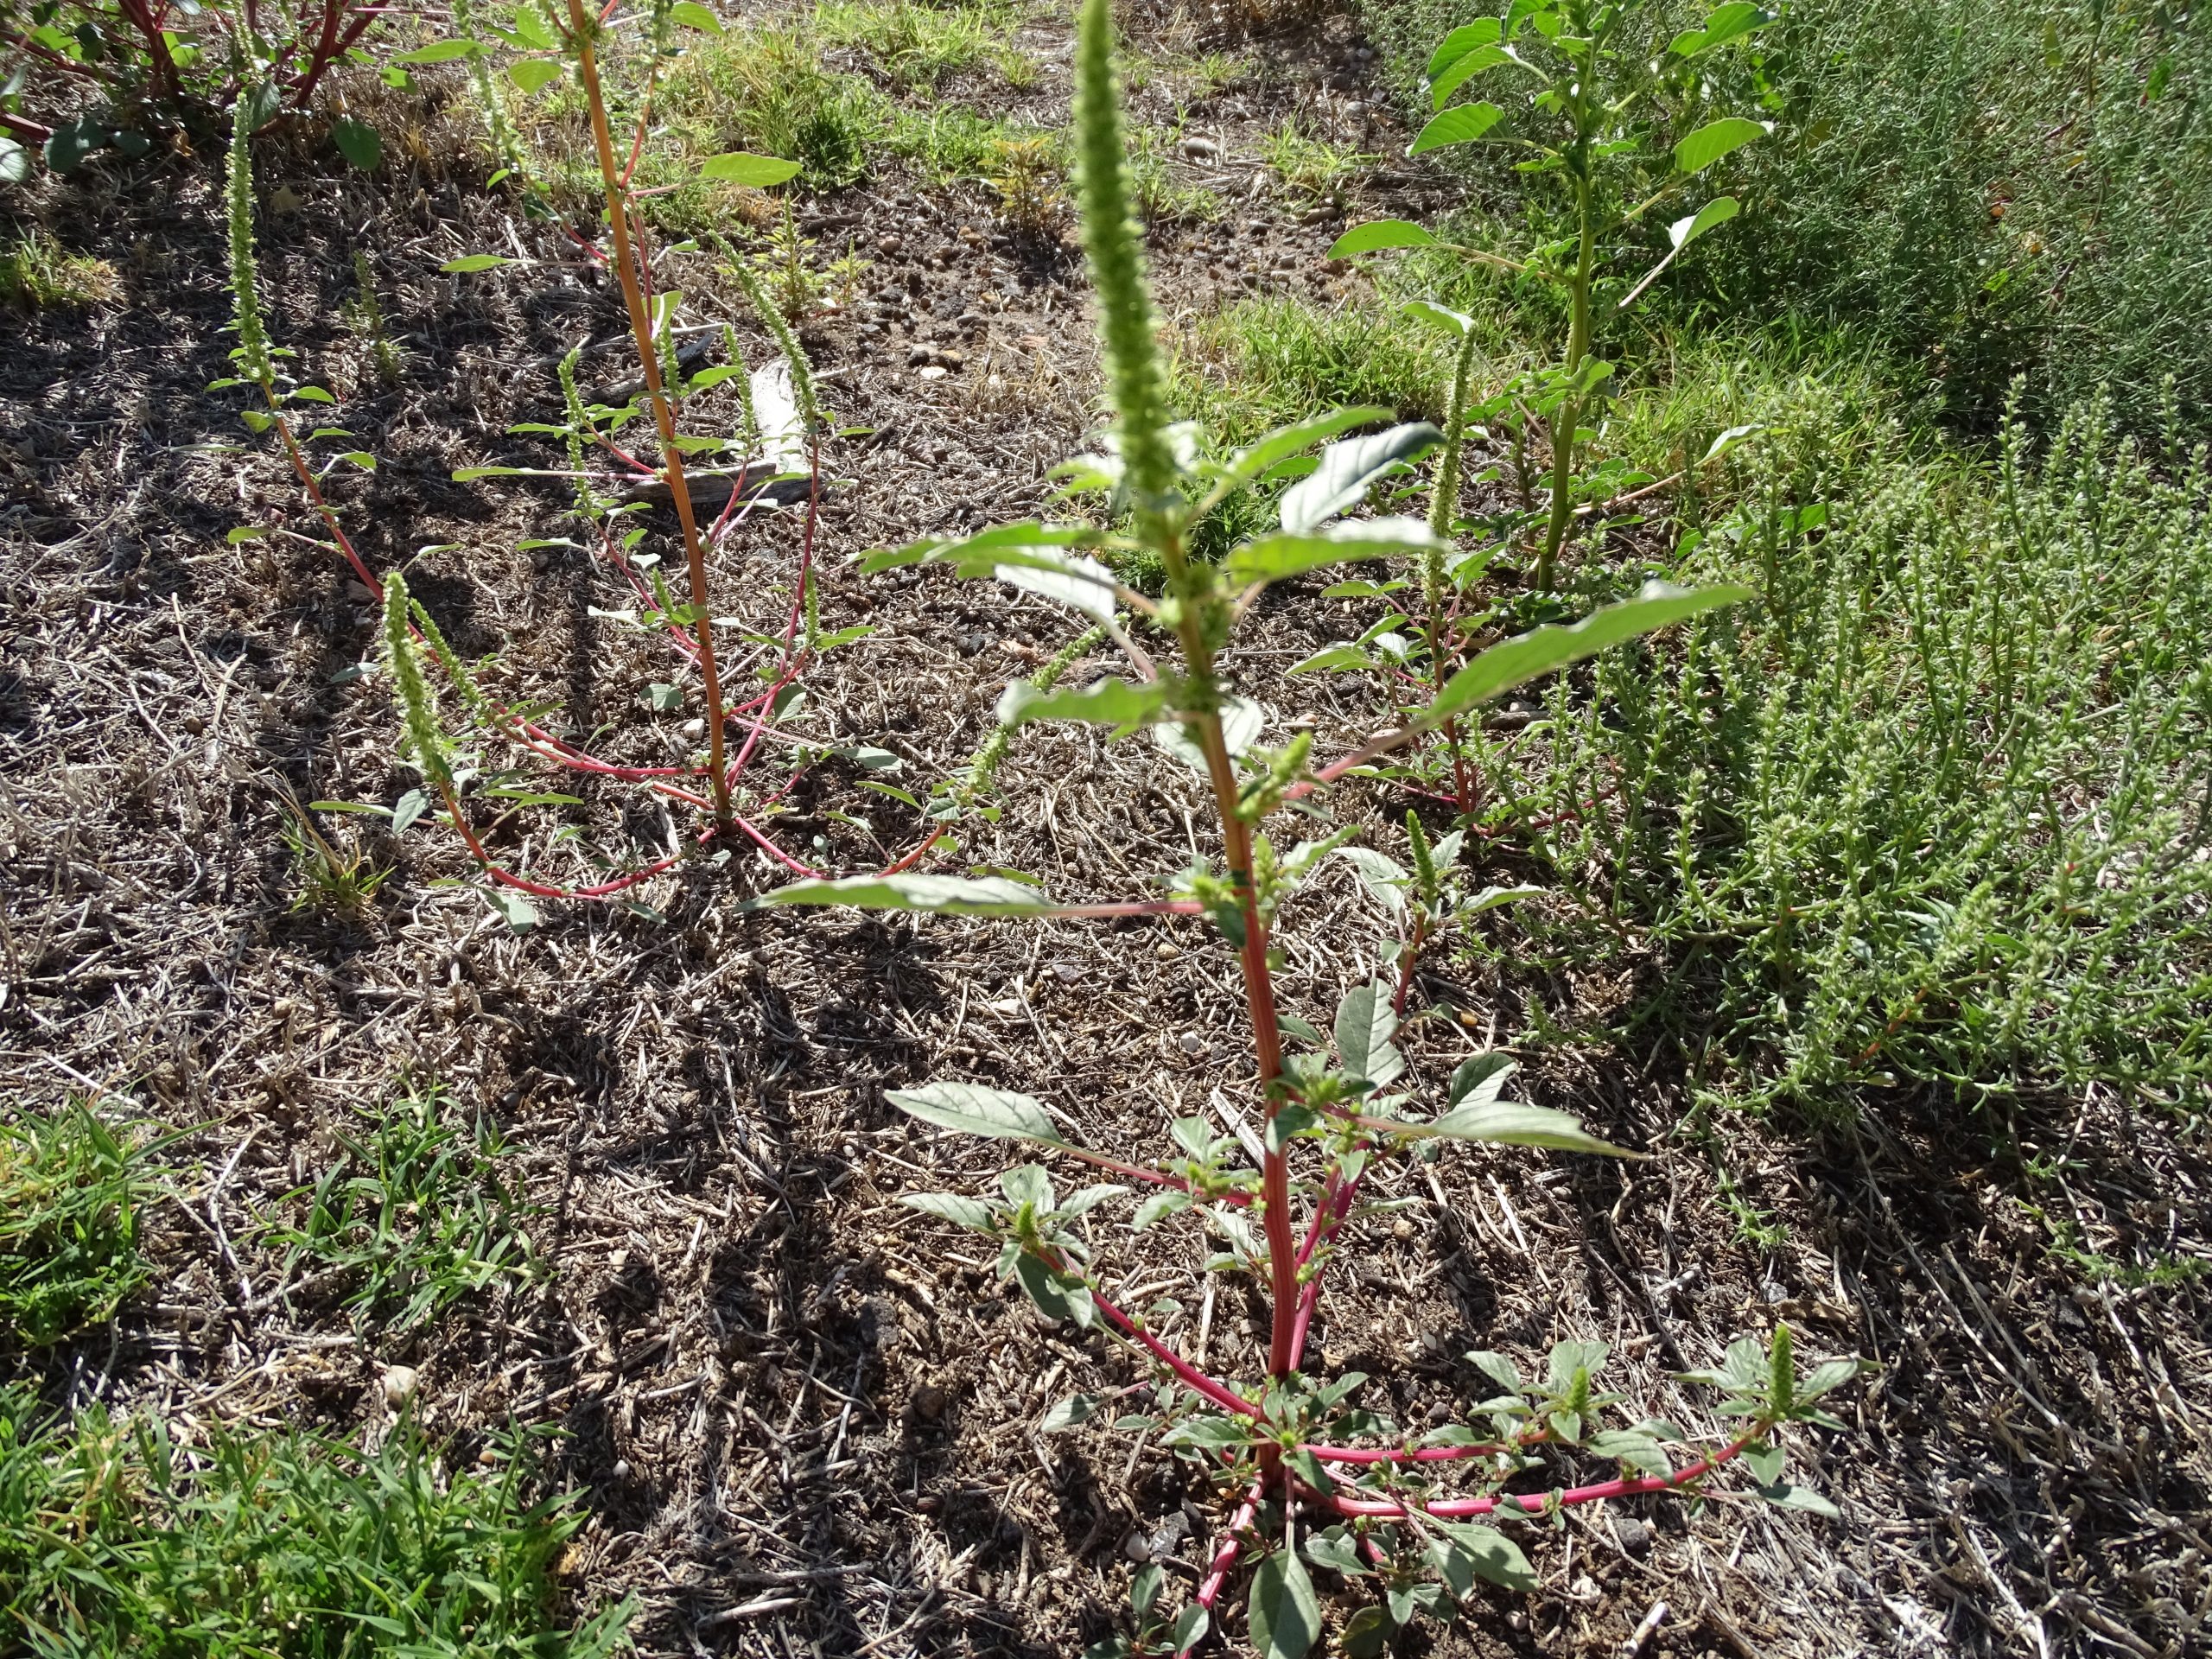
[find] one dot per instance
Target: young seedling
(1313, 1478)
(1593, 117)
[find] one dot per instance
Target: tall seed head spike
(252, 354)
(418, 713)
(1126, 323)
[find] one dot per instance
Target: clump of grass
(1310, 169)
(415, 1216)
(763, 87)
(917, 47)
(116, 1541)
(69, 1197)
(1935, 814)
(1262, 362)
(38, 274)
(334, 879)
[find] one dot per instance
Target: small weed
(916, 46)
(332, 879)
(1161, 197)
(416, 1216)
(69, 1193)
(1030, 176)
(38, 274)
(1310, 169)
(948, 144)
(116, 1541)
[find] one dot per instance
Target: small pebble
(930, 1403)
(695, 728)
(399, 1384)
(1193, 1045)
(622, 1468)
(935, 371)
(1167, 951)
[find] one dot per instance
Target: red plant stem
(1452, 1508)
(1403, 1454)
(1233, 1542)
(1198, 1382)
(630, 270)
(1336, 1198)
(1406, 960)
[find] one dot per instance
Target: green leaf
(1346, 469)
(511, 907)
(1336, 1549)
(1513, 1123)
(1108, 701)
(1494, 1557)
(692, 14)
(1723, 24)
(15, 161)
(962, 1211)
(1541, 651)
(1499, 1369)
(1368, 1633)
(1494, 897)
(739, 166)
(1463, 125)
(1080, 583)
(1058, 1295)
(1442, 318)
(1381, 875)
(1209, 1429)
(1470, 65)
(1365, 1024)
(1075, 1409)
(1715, 140)
(1639, 1451)
(948, 896)
(1191, 1624)
(533, 75)
(972, 1108)
(357, 141)
(1829, 1374)
(1718, 210)
(1285, 1614)
(440, 52)
(1468, 37)
(663, 698)
(1272, 558)
(1337, 659)
(1169, 1201)
(1785, 1496)
(410, 807)
(1241, 722)
(469, 262)
(1378, 234)
(1478, 1081)
(1285, 441)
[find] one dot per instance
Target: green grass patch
(414, 1215)
(1933, 809)
(38, 274)
(116, 1541)
(916, 48)
(1260, 363)
(70, 1194)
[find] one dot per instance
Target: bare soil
(802, 1415)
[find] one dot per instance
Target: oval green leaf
(1379, 233)
(1718, 210)
(739, 166)
(1714, 140)
(994, 1114)
(533, 75)
(1461, 126)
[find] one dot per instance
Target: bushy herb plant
(1314, 1480)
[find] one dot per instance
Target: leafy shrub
(1934, 813)
(114, 1540)
(69, 1195)
(144, 66)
